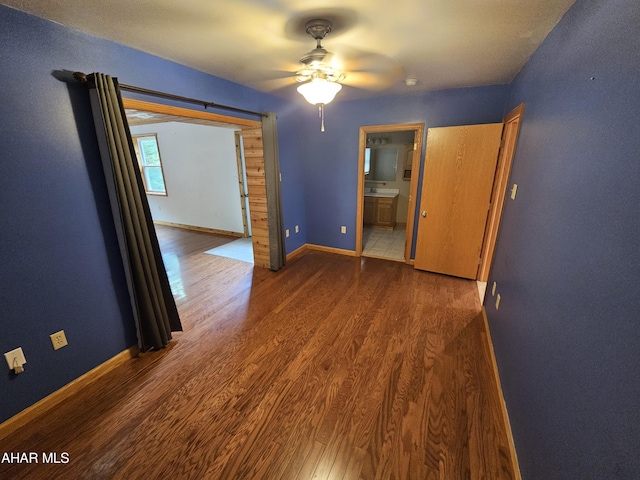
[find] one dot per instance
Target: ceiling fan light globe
(319, 91)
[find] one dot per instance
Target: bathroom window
(148, 153)
(367, 161)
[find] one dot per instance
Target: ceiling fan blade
(276, 83)
(366, 81)
(369, 70)
(378, 79)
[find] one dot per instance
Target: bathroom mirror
(382, 165)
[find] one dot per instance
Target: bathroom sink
(380, 192)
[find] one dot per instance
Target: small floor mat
(241, 249)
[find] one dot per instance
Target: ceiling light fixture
(319, 91)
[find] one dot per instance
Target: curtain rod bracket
(81, 77)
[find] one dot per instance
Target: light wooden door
(458, 175)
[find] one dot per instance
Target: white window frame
(143, 167)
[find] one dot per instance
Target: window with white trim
(148, 153)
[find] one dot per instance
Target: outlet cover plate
(58, 340)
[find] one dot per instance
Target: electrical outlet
(286, 233)
(343, 229)
(58, 340)
(493, 289)
(514, 189)
(297, 228)
(15, 359)
(498, 302)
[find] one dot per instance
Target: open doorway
(388, 166)
(253, 188)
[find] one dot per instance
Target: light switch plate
(514, 189)
(15, 357)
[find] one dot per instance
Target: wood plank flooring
(334, 367)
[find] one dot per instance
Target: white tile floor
(241, 249)
(376, 243)
(383, 243)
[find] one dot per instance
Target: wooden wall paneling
(256, 186)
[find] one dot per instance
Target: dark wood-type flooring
(333, 368)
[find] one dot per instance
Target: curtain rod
(83, 78)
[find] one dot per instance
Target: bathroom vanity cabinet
(380, 211)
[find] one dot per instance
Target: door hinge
(480, 261)
(415, 146)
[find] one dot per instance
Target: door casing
(418, 136)
(505, 159)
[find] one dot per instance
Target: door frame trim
(237, 136)
(418, 140)
(499, 192)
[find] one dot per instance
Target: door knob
(424, 213)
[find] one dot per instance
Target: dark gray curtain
(153, 305)
(274, 198)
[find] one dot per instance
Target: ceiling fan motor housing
(318, 28)
(314, 61)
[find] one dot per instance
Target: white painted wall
(201, 176)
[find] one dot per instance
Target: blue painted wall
(60, 266)
(291, 149)
(331, 157)
(567, 266)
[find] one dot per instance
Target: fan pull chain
(321, 115)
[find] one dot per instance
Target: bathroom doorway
(388, 167)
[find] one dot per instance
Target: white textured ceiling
(441, 43)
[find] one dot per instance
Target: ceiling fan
(321, 77)
(318, 78)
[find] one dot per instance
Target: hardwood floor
(334, 367)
